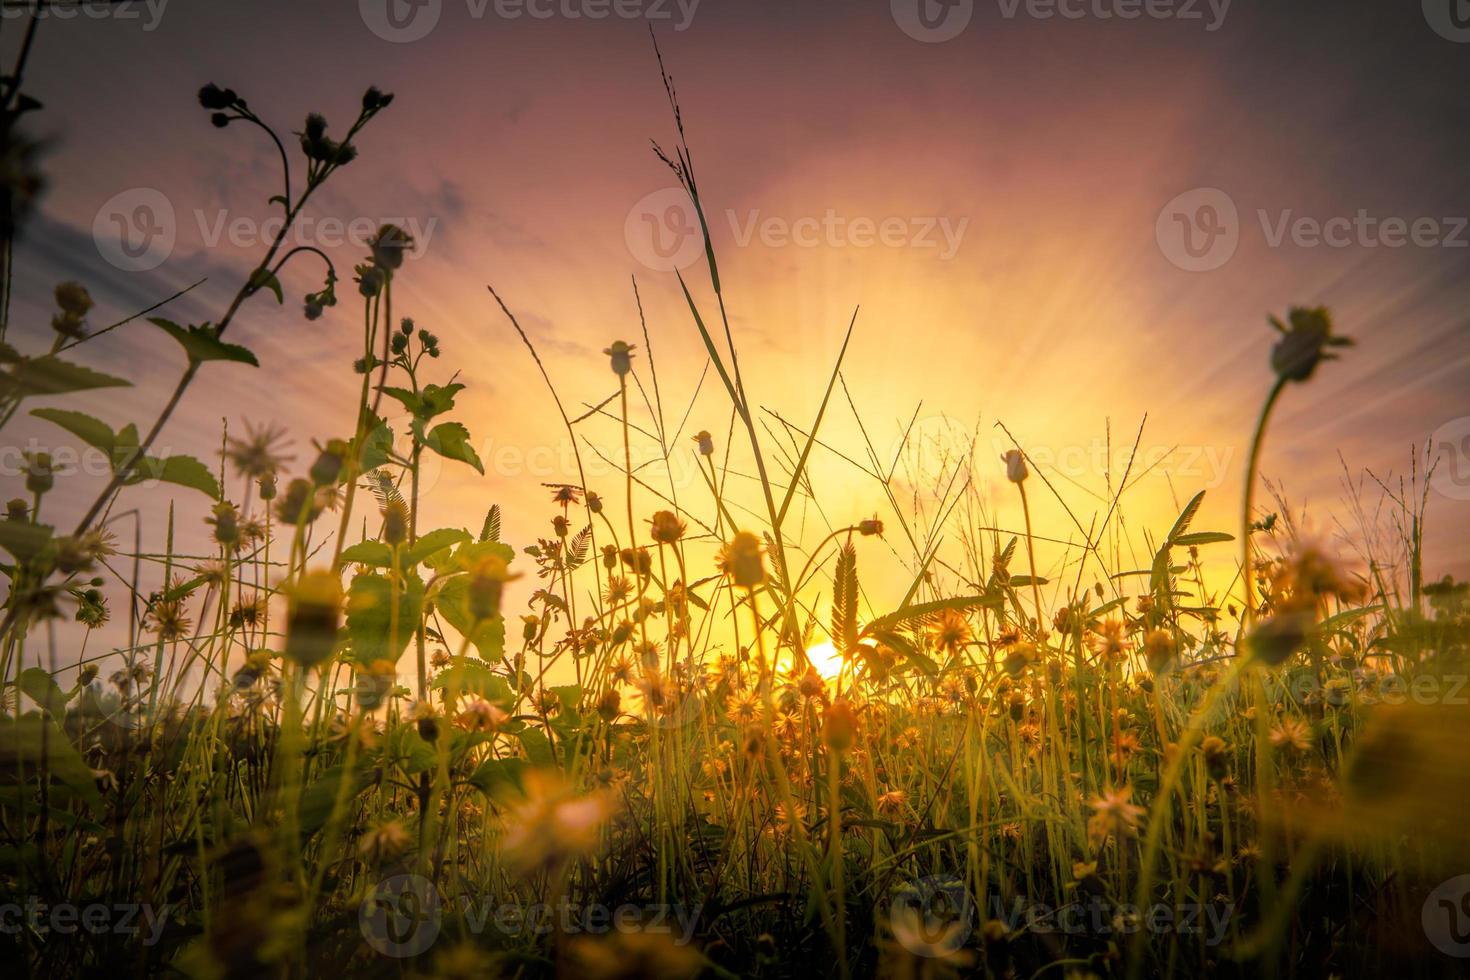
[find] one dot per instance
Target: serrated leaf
(404, 397)
(491, 530)
(1181, 523)
(186, 471)
(1202, 537)
(845, 599)
(499, 778)
(202, 343)
(432, 542)
(94, 432)
(924, 610)
(369, 553)
(538, 747)
(452, 441)
(377, 444)
(370, 616)
(50, 375)
(472, 678)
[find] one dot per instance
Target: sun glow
(825, 658)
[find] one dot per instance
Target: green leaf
(50, 375)
(406, 398)
(924, 610)
(452, 441)
(499, 778)
(320, 797)
(899, 642)
(185, 471)
(434, 541)
(369, 616)
(94, 432)
(369, 553)
(1181, 524)
(265, 279)
(377, 444)
(33, 737)
(538, 747)
(39, 686)
(1203, 537)
(438, 399)
(203, 344)
(470, 678)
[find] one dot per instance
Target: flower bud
(313, 614)
(622, 357)
(1015, 462)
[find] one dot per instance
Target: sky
(1064, 217)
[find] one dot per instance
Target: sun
(825, 658)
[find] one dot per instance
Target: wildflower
(871, 527)
(1216, 754)
(374, 684)
(742, 559)
(395, 522)
(594, 502)
(373, 99)
(639, 561)
(622, 357)
(1277, 639)
(166, 618)
(257, 455)
(553, 824)
(530, 626)
(74, 302)
(313, 614)
(40, 473)
(609, 706)
(839, 726)
(486, 585)
(225, 520)
(667, 528)
(1304, 344)
(892, 801)
(1018, 659)
(742, 708)
(705, 441)
(248, 612)
(385, 843)
(949, 631)
(389, 246)
(564, 494)
(1107, 639)
(92, 611)
(1114, 816)
(1015, 462)
(811, 684)
(302, 503)
(1291, 735)
(479, 715)
(609, 557)
(1159, 650)
(328, 466)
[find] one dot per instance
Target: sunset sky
(1002, 209)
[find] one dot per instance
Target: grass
(340, 740)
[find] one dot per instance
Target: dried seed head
(313, 614)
